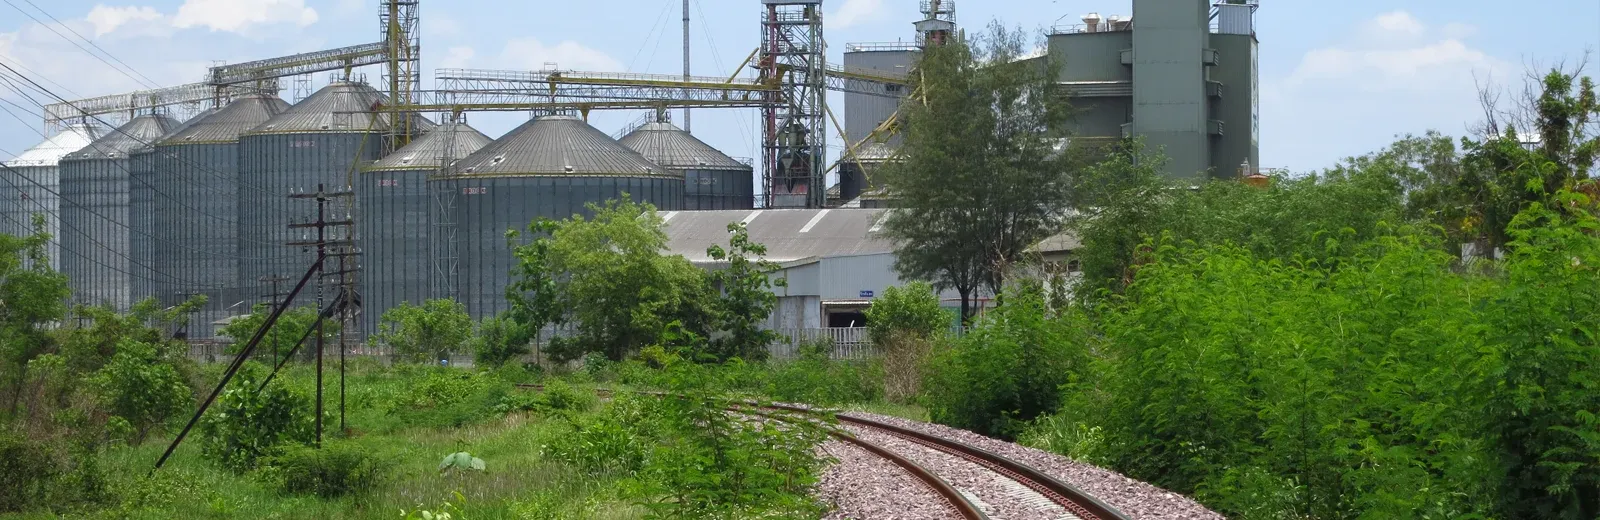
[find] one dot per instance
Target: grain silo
(711, 179)
(548, 167)
(32, 182)
(196, 181)
(394, 219)
(324, 139)
(142, 213)
(95, 191)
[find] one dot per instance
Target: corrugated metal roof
(789, 234)
(875, 152)
(342, 106)
(50, 152)
(670, 146)
(427, 152)
(557, 145)
(226, 124)
(131, 136)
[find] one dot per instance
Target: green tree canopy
(427, 332)
(983, 177)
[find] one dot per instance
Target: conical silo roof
(54, 148)
(226, 124)
(875, 152)
(670, 146)
(427, 152)
(557, 145)
(133, 135)
(342, 106)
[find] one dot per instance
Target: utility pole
(274, 299)
(322, 196)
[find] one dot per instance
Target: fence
(848, 342)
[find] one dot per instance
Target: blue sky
(1338, 78)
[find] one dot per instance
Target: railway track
(1025, 484)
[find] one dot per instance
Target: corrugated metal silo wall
(394, 226)
(94, 209)
(141, 225)
(852, 180)
(32, 192)
(863, 113)
(486, 207)
(273, 166)
(196, 241)
(718, 189)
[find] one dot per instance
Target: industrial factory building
(212, 189)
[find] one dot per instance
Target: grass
(518, 482)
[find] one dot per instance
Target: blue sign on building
(866, 294)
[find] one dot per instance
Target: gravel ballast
(1136, 499)
(998, 496)
(867, 487)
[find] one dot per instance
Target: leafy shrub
(1008, 370)
(904, 356)
(245, 425)
(28, 471)
(338, 469)
(140, 387)
(558, 398)
(425, 333)
(500, 340)
(822, 381)
(913, 310)
(447, 397)
(616, 441)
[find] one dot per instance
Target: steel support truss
(793, 122)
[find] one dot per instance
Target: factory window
(847, 319)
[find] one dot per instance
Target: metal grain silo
(142, 213)
(711, 179)
(324, 139)
(31, 183)
(196, 210)
(95, 193)
(548, 167)
(394, 219)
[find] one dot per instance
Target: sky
(1338, 79)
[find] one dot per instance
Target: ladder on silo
(446, 259)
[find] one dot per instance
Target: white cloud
(1396, 74)
(855, 12)
(107, 19)
(239, 16)
(531, 54)
(457, 57)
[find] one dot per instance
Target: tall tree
(31, 295)
(983, 176)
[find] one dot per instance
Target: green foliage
(913, 309)
(1547, 407)
(337, 469)
(426, 333)
(461, 461)
(817, 379)
(1009, 368)
(245, 425)
(31, 295)
(617, 441)
(280, 341)
(500, 340)
(27, 472)
(142, 387)
(747, 299)
(608, 276)
(449, 398)
(982, 180)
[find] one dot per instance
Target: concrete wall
(1170, 108)
(1238, 107)
(1092, 56)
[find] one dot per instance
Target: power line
(56, 240)
(92, 44)
(145, 82)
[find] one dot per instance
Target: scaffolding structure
(793, 121)
(402, 39)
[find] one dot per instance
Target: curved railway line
(1026, 481)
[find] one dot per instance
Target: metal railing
(1120, 26)
(881, 46)
(848, 342)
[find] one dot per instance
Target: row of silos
(158, 208)
(32, 183)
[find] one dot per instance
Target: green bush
(913, 309)
(338, 469)
(821, 381)
(500, 340)
(449, 398)
(245, 425)
(1007, 370)
(28, 471)
(425, 333)
(615, 441)
(139, 386)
